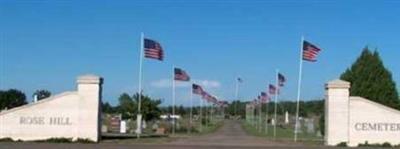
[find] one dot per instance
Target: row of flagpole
(265, 98)
(153, 50)
(308, 52)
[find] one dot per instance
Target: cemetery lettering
(44, 121)
(377, 126)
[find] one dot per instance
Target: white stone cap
(337, 84)
(89, 79)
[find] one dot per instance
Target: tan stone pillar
(90, 91)
(336, 112)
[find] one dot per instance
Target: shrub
(56, 140)
(82, 140)
(385, 144)
(205, 121)
(52, 140)
(6, 140)
(342, 144)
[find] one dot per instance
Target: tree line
(14, 98)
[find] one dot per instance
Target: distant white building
(170, 116)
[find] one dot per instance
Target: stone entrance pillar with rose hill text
(73, 114)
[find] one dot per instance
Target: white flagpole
(173, 100)
(259, 117)
(266, 117)
(255, 116)
(299, 89)
(236, 95)
(139, 117)
(201, 115)
(276, 102)
(207, 114)
(191, 109)
(211, 112)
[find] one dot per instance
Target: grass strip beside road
(206, 129)
(282, 134)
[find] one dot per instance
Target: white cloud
(208, 83)
(167, 83)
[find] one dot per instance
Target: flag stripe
(153, 49)
(181, 75)
(310, 51)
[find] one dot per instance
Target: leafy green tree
(149, 107)
(108, 108)
(322, 124)
(11, 98)
(128, 107)
(370, 79)
(237, 107)
(181, 110)
(42, 94)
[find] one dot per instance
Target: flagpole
(298, 89)
(256, 117)
(266, 119)
(259, 117)
(236, 95)
(138, 116)
(210, 116)
(253, 114)
(191, 109)
(207, 116)
(276, 101)
(201, 115)
(173, 100)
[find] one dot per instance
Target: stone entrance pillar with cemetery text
(336, 112)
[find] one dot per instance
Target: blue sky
(47, 44)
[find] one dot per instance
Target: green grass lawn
(206, 129)
(201, 129)
(282, 134)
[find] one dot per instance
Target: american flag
(206, 96)
(254, 102)
(213, 99)
(272, 89)
(264, 97)
(240, 80)
(181, 75)
(209, 98)
(220, 103)
(197, 89)
(310, 51)
(281, 80)
(153, 49)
